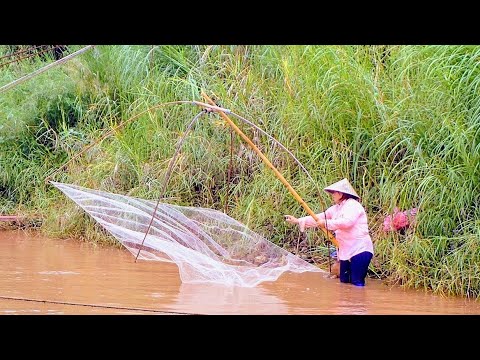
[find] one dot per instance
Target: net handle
(292, 191)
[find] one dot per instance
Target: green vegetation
(402, 123)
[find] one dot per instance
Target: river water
(41, 275)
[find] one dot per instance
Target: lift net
(207, 245)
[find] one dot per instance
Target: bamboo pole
(292, 191)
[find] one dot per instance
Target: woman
(348, 220)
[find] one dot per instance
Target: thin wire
(28, 56)
(229, 174)
(96, 305)
(167, 176)
(19, 52)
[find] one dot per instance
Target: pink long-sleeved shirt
(349, 222)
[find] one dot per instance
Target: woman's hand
(291, 219)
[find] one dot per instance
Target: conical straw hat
(342, 186)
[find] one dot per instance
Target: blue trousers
(355, 270)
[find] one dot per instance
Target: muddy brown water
(41, 275)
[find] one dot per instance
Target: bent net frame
(206, 245)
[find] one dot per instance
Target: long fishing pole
(301, 166)
(292, 191)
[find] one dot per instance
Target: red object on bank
(399, 219)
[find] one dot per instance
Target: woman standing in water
(348, 220)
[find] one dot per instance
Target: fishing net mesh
(207, 245)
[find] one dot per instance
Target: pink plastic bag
(399, 220)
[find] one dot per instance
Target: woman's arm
(306, 221)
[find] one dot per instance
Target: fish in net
(207, 245)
